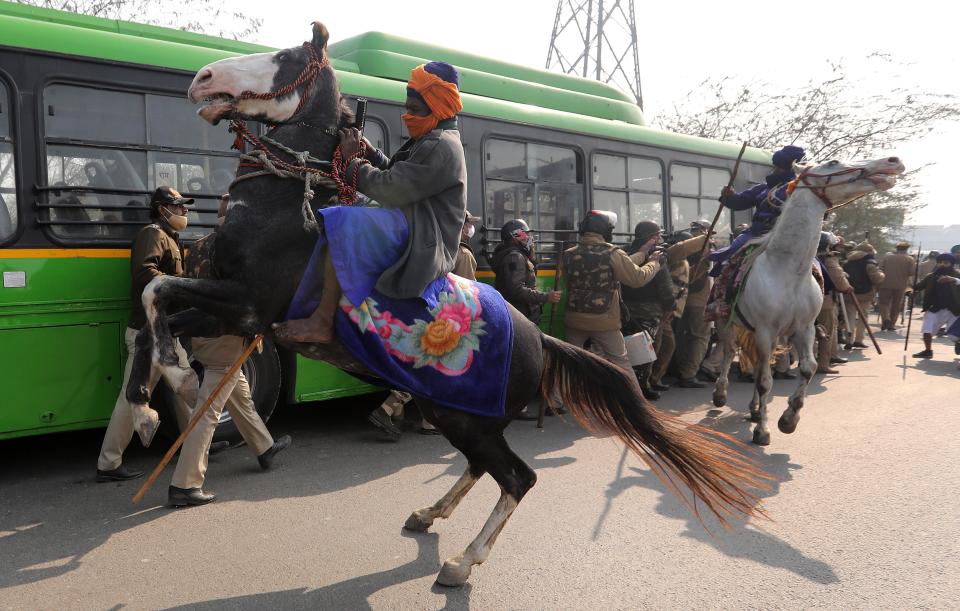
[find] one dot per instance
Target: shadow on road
(742, 539)
(53, 514)
(352, 593)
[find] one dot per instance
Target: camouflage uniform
(594, 271)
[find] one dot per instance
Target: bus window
(693, 196)
(169, 125)
(539, 183)
(94, 115)
(631, 187)
(8, 174)
(93, 214)
(114, 153)
(374, 132)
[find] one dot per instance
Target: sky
(683, 42)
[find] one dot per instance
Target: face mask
(177, 222)
(419, 126)
(470, 231)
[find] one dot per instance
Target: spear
(701, 264)
(916, 272)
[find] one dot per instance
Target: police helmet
(512, 228)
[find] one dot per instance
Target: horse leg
(762, 386)
(803, 342)
(515, 479)
(422, 519)
(725, 345)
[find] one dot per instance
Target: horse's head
(840, 182)
(269, 87)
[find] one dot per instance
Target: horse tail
(746, 340)
(607, 400)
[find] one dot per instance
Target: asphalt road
(864, 503)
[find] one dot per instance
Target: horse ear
(320, 35)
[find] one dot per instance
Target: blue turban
(947, 257)
(785, 157)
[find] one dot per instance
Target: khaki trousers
(665, 345)
(865, 301)
(120, 430)
(825, 347)
(217, 356)
(692, 339)
(891, 305)
(609, 343)
(395, 402)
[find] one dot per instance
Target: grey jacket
(427, 180)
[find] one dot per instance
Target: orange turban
(442, 97)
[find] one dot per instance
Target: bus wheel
(262, 371)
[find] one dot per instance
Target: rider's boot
(319, 327)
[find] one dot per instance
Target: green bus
(93, 117)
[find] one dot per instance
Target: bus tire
(263, 373)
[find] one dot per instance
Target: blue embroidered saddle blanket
(452, 345)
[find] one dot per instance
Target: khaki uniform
(828, 313)
(602, 328)
(466, 265)
(665, 344)
(218, 355)
(155, 252)
(898, 269)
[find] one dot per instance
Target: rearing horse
(262, 250)
(780, 297)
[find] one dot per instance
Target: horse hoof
(417, 523)
(719, 400)
(787, 425)
(454, 573)
(146, 422)
(761, 439)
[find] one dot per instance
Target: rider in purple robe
(757, 197)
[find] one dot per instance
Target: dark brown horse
(263, 248)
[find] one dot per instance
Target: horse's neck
(793, 242)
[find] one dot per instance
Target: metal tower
(597, 39)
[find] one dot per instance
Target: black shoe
(848, 346)
(924, 354)
(838, 360)
(706, 376)
(181, 497)
(650, 395)
(266, 459)
(425, 431)
(382, 421)
(120, 474)
(956, 347)
(784, 375)
(660, 387)
(690, 383)
(860, 345)
(218, 446)
(527, 415)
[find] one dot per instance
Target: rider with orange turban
(413, 238)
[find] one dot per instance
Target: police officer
(516, 272)
(594, 270)
(217, 355)
(466, 264)
(156, 251)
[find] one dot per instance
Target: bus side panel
(58, 376)
(316, 381)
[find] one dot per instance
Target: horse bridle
(307, 76)
(821, 191)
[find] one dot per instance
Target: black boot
(181, 497)
(266, 459)
(120, 474)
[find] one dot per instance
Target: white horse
(780, 297)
